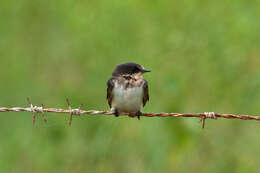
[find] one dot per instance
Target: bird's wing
(110, 86)
(146, 93)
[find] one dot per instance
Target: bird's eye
(136, 70)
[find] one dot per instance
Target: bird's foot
(116, 113)
(138, 114)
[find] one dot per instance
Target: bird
(127, 91)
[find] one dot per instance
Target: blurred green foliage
(204, 56)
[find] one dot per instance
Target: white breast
(127, 100)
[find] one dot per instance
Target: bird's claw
(138, 114)
(116, 113)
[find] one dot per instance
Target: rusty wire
(41, 109)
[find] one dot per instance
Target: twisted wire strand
(96, 112)
(78, 112)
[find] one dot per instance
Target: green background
(204, 56)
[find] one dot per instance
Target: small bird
(127, 91)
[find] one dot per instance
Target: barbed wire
(77, 112)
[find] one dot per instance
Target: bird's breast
(127, 99)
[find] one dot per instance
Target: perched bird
(127, 91)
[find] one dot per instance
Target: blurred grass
(204, 56)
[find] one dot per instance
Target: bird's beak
(145, 71)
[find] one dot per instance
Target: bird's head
(129, 68)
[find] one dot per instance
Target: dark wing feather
(146, 92)
(110, 87)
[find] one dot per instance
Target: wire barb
(32, 110)
(211, 115)
(43, 114)
(35, 110)
(73, 111)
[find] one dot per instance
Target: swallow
(127, 91)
